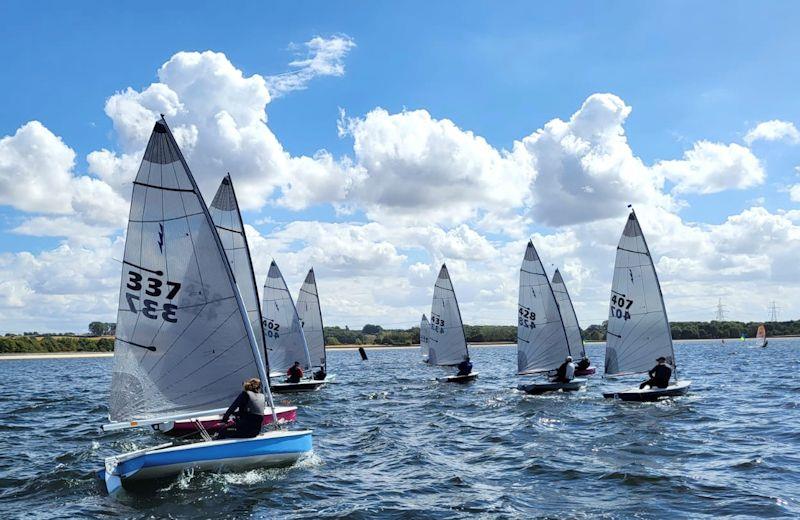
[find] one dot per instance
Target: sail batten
(638, 330)
(310, 313)
(447, 343)
(183, 341)
(542, 342)
(284, 334)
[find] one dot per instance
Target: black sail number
(272, 328)
(620, 306)
(527, 318)
(152, 308)
(437, 324)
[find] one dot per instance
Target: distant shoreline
(82, 355)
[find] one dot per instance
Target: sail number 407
(620, 306)
(154, 287)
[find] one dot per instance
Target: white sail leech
(571, 324)
(638, 330)
(184, 343)
(310, 313)
(541, 339)
(447, 343)
(286, 342)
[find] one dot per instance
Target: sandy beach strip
(54, 355)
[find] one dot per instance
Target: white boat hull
(676, 389)
(459, 379)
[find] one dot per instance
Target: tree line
(376, 335)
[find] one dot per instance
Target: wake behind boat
(447, 345)
(638, 330)
(184, 342)
(542, 343)
(285, 339)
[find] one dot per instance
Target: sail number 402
(620, 306)
(272, 328)
(154, 287)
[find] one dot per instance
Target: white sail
(541, 340)
(638, 330)
(286, 342)
(447, 346)
(308, 309)
(183, 340)
(424, 337)
(225, 213)
(571, 325)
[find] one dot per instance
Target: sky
(376, 140)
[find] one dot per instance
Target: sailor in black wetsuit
(465, 367)
(566, 372)
(659, 375)
(248, 410)
(583, 364)
(320, 374)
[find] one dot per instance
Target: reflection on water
(391, 442)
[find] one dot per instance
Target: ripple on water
(391, 442)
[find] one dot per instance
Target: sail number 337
(154, 287)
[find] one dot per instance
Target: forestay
(308, 309)
(447, 345)
(424, 337)
(638, 330)
(286, 342)
(541, 340)
(225, 213)
(568, 315)
(183, 342)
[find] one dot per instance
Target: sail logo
(161, 237)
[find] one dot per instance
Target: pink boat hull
(211, 424)
(589, 371)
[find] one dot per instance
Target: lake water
(390, 442)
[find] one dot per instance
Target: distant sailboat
(761, 336)
(310, 313)
(638, 330)
(424, 337)
(184, 342)
(447, 344)
(286, 342)
(542, 343)
(571, 325)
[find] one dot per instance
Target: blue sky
(690, 72)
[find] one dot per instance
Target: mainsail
(568, 316)
(285, 339)
(638, 330)
(541, 340)
(225, 213)
(447, 345)
(311, 320)
(424, 337)
(183, 340)
(761, 335)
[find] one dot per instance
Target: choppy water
(390, 442)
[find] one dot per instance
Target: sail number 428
(526, 318)
(620, 306)
(154, 287)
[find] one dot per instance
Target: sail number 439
(620, 306)
(154, 287)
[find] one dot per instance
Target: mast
(240, 303)
(660, 295)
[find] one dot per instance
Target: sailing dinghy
(542, 344)
(227, 219)
(571, 325)
(184, 343)
(424, 337)
(638, 329)
(447, 345)
(310, 313)
(286, 342)
(761, 336)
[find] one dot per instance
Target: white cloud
(774, 130)
(325, 57)
(794, 193)
(713, 167)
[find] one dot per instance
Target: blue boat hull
(272, 449)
